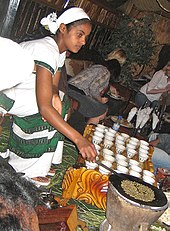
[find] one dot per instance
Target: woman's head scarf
(52, 23)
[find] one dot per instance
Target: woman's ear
(62, 28)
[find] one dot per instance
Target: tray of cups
(121, 152)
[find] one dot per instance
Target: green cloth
(36, 147)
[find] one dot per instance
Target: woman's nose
(83, 40)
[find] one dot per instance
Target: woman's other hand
(57, 104)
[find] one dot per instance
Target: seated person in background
(151, 92)
(88, 88)
(161, 154)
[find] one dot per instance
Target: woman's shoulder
(46, 43)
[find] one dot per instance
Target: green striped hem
(33, 148)
(6, 102)
(45, 65)
(32, 123)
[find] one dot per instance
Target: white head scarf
(52, 23)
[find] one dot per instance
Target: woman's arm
(44, 92)
(152, 85)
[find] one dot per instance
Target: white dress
(32, 142)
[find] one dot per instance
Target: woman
(151, 92)
(88, 88)
(38, 123)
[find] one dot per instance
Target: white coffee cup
(134, 139)
(144, 147)
(125, 136)
(143, 157)
(109, 158)
(90, 165)
(122, 162)
(133, 143)
(131, 152)
(148, 173)
(144, 142)
(121, 157)
(130, 146)
(122, 169)
(97, 147)
(119, 137)
(96, 140)
(148, 179)
(136, 168)
(143, 151)
(99, 134)
(120, 148)
(107, 152)
(106, 137)
(119, 142)
(108, 133)
(98, 129)
(134, 173)
(133, 162)
(112, 131)
(101, 126)
(107, 143)
(104, 170)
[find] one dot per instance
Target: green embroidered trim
(45, 65)
(34, 148)
(6, 102)
(32, 123)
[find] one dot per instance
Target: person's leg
(141, 99)
(160, 159)
(154, 104)
(89, 107)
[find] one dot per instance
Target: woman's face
(167, 71)
(76, 37)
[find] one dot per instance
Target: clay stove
(124, 212)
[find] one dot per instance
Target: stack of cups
(143, 151)
(148, 177)
(108, 139)
(131, 147)
(120, 144)
(108, 155)
(103, 170)
(135, 170)
(98, 134)
(122, 164)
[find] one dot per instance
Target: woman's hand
(86, 149)
(57, 104)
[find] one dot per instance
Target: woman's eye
(79, 35)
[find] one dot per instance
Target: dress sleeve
(156, 79)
